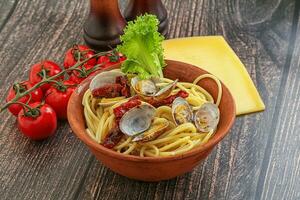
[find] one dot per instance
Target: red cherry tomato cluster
(80, 53)
(38, 111)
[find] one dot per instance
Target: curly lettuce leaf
(142, 45)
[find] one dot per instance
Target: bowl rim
(85, 138)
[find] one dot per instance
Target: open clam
(156, 129)
(147, 88)
(137, 120)
(102, 79)
(207, 117)
(181, 111)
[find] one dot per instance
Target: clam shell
(144, 87)
(153, 132)
(147, 88)
(166, 91)
(137, 120)
(207, 117)
(181, 111)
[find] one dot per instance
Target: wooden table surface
(259, 159)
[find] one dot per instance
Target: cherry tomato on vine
(48, 67)
(110, 59)
(36, 95)
(38, 123)
(76, 79)
(58, 97)
(87, 70)
(121, 57)
(79, 51)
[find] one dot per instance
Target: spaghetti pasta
(175, 140)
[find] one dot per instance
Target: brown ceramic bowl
(160, 168)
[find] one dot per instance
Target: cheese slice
(213, 54)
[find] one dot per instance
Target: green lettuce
(142, 45)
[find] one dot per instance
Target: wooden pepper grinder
(156, 7)
(104, 25)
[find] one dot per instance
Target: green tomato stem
(24, 105)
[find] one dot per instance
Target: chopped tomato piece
(169, 100)
(123, 108)
(113, 138)
(108, 91)
(117, 89)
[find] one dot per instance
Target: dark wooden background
(259, 159)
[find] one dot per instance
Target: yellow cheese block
(213, 54)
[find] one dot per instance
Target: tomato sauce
(169, 100)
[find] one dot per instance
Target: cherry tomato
(41, 125)
(121, 57)
(58, 98)
(72, 56)
(78, 77)
(35, 74)
(110, 59)
(75, 79)
(36, 95)
(106, 61)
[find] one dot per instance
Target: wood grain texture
(258, 160)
